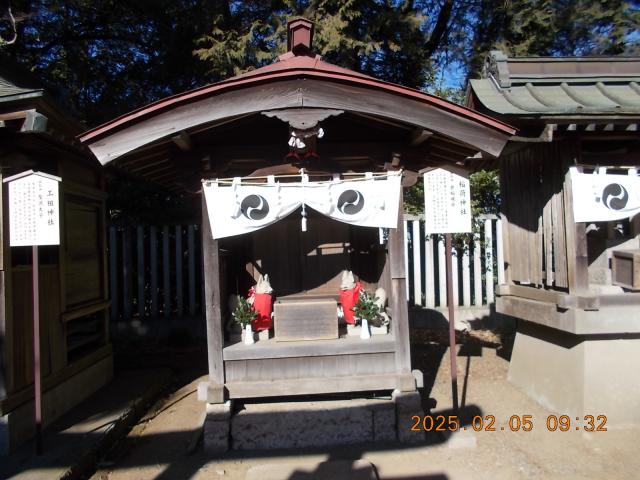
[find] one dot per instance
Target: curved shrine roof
(298, 79)
(568, 86)
(293, 66)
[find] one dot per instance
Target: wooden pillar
(398, 296)
(3, 361)
(576, 236)
(213, 315)
(506, 226)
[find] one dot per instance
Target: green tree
(385, 39)
(106, 57)
(111, 56)
(551, 27)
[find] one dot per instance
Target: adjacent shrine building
(76, 356)
(572, 278)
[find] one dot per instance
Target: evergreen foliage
(366, 309)
(244, 312)
(111, 56)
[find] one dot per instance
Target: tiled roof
(8, 90)
(576, 86)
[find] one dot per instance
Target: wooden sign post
(447, 210)
(34, 219)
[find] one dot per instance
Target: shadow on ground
(188, 362)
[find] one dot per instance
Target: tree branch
(12, 21)
(438, 32)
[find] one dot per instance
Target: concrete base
(579, 375)
(317, 423)
(17, 426)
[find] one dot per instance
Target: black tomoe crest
(615, 196)
(350, 202)
(254, 207)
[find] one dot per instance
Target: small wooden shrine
(295, 126)
(570, 188)
(76, 356)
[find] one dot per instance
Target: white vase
(248, 335)
(364, 330)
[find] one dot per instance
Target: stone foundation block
(217, 423)
(210, 393)
(313, 424)
(408, 405)
(384, 422)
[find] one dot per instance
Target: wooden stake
(452, 327)
(36, 351)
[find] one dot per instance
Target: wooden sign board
(34, 210)
(447, 202)
(305, 320)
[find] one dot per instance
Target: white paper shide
(447, 202)
(34, 211)
(603, 197)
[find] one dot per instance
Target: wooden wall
(73, 283)
(313, 261)
(320, 367)
(83, 250)
(533, 209)
(53, 340)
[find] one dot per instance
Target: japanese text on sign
(33, 210)
(447, 202)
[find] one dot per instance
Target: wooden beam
(419, 136)
(14, 115)
(183, 141)
(213, 313)
(545, 136)
(85, 310)
(3, 361)
(313, 385)
(576, 236)
(398, 295)
(343, 346)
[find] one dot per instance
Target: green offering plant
(244, 313)
(366, 309)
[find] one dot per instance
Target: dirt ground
(164, 445)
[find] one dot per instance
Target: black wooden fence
(155, 271)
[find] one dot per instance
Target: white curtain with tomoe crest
(237, 206)
(603, 197)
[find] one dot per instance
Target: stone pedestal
(408, 405)
(317, 423)
(578, 375)
(217, 423)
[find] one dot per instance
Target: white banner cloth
(602, 197)
(236, 208)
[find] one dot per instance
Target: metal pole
(36, 351)
(452, 328)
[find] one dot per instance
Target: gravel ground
(164, 445)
